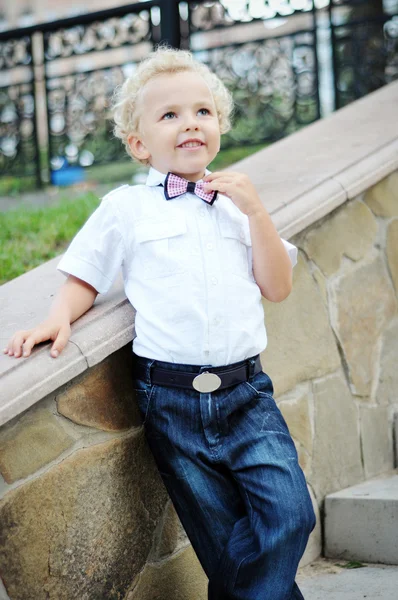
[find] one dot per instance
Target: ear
(137, 147)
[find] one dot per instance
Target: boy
(197, 250)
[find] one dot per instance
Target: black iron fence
(287, 62)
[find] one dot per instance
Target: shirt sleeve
(96, 253)
(292, 251)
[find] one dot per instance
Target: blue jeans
(230, 467)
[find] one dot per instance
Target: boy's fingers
(60, 342)
(15, 344)
(33, 339)
(22, 342)
(218, 174)
(213, 175)
(217, 182)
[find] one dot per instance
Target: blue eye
(166, 115)
(205, 110)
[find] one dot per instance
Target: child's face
(174, 108)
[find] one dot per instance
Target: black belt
(214, 378)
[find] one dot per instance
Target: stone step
(361, 522)
(331, 579)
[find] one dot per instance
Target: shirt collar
(156, 177)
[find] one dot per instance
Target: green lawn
(31, 236)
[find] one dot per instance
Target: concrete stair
(361, 522)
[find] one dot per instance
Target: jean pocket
(273, 421)
(261, 384)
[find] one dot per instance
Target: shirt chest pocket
(237, 248)
(160, 246)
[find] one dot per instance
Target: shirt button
(209, 246)
(214, 280)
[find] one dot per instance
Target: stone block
(301, 344)
(376, 433)
(314, 545)
(392, 251)
(103, 397)
(387, 385)
(349, 231)
(26, 381)
(361, 521)
(3, 593)
(395, 438)
(296, 412)
(322, 284)
(169, 535)
(180, 577)
(30, 443)
(336, 459)
(382, 198)
(364, 304)
(84, 528)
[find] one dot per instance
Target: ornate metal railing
(56, 79)
(365, 46)
(273, 76)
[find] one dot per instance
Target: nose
(191, 122)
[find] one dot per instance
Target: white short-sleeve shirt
(187, 270)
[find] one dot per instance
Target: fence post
(37, 71)
(334, 57)
(170, 23)
(316, 61)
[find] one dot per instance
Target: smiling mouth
(190, 145)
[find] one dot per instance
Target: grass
(113, 172)
(14, 186)
(31, 236)
(352, 564)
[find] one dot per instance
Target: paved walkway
(52, 195)
(325, 580)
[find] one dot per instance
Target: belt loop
(148, 374)
(251, 365)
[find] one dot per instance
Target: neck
(194, 177)
(188, 176)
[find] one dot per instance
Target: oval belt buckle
(206, 382)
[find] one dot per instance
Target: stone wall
(83, 511)
(334, 342)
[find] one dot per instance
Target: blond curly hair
(164, 60)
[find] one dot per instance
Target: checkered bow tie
(175, 185)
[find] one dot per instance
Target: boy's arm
(272, 267)
(73, 299)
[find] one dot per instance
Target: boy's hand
(238, 187)
(22, 342)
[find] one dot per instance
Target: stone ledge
(25, 301)
(308, 174)
(300, 179)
